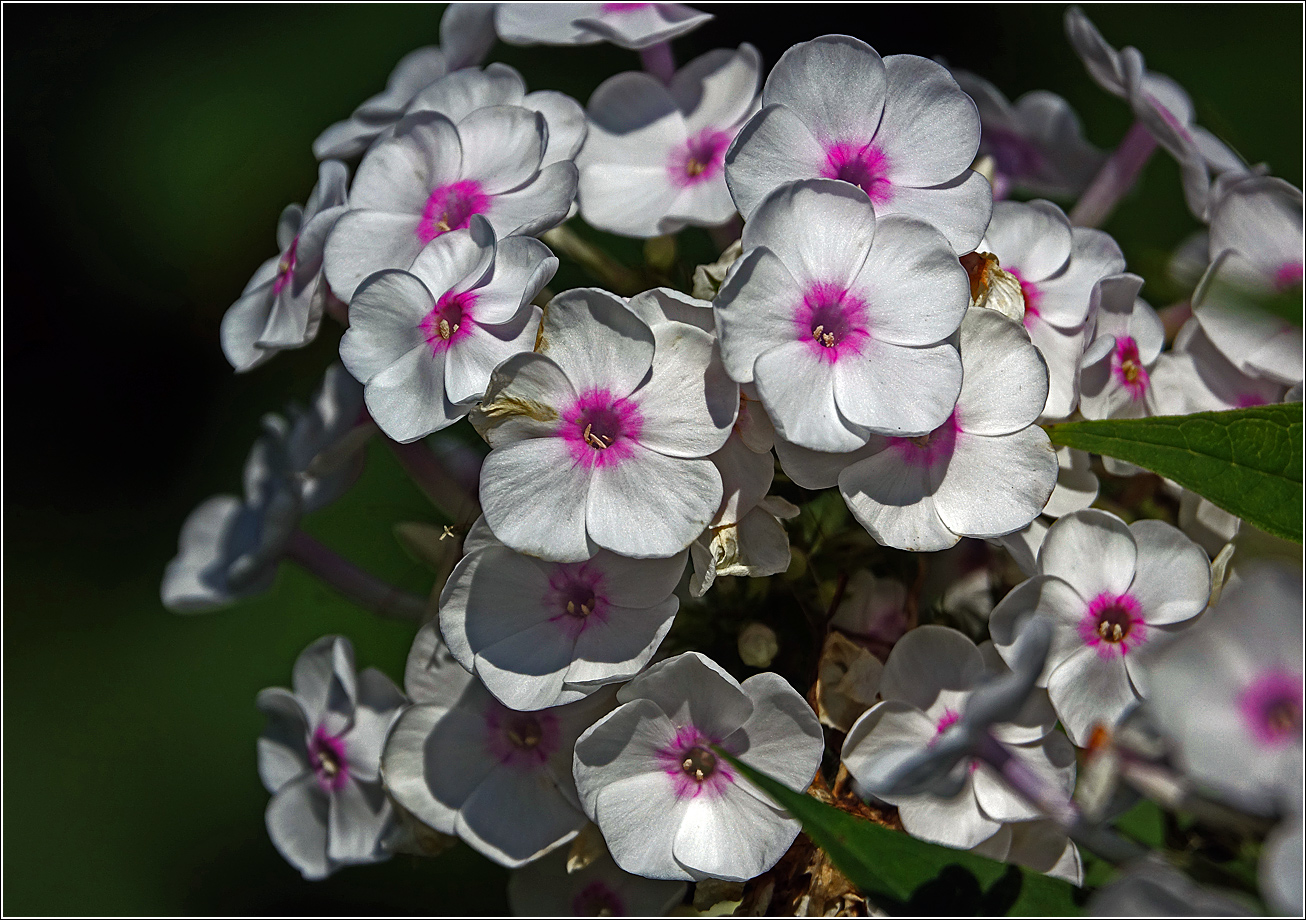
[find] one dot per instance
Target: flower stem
(1055, 804)
(359, 586)
(1116, 177)
(608, 271)
(659, 61)
(437, 483)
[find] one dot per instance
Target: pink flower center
(521, 739)
(1271, 707)
(450, 207)
(864, 165)
(1288, 276)
(930, 449)
(576, 592)
(286, 267)
(600, 429)
(1030, 291)
(1113, 624)
(693, 767)
(1247, 400)
(701, 158)
(832, 321)
(598, 900)
(449, 321)
(326, 754)
(1128, 369)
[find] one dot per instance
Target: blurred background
(147, 153)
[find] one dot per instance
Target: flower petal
(1091, 550)
(836, 83)
(773, 148)
(755, 311)
(994, 485)
(651, 505)
(1087, 689)
(534, 499)
(915, 290)
(598, 342)
(798, 391)
(896, 390)
(1172, 580)
(821, 229)
(734, 837)
(515, 817)
(502, 146)
(959, 208)
(297, 823)
(1031, 237)
(365, 242)
(930, 129)
(716, 90)
(1004, 378)
(689, 403)
(894, 501)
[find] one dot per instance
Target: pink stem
(364, 589)
(437, 483)
(659, 61)
(1116, 177)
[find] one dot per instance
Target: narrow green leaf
(1246, 461)
(912, 876)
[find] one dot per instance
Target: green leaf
(1246, 461)
(912, 876)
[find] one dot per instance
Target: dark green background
(148, 151)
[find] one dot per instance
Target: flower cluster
(881, 326)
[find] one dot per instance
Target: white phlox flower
(1107, 590)
(432, 177)
(230, 547)
(1115, 376)
(549, 888)
(320, 757)
(464, 764)
(1077, 487)
(898, 128)
(600, 438)
(668, 804)
(626, 25)
(986, 471)
(654, 160)
(872, 612)
(841, 319)
(541, 634)
(1256, 251)
(425, 340)
(1160, 105)
(927, 687)
(1228, 693)
(283, 303)
(1195, 376)
(1039, 845)
(1056, 267)
(466, 34)
(1037, 143)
